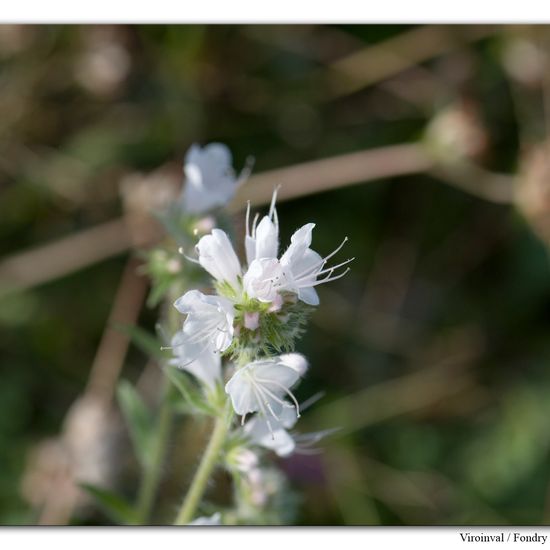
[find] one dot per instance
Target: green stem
(206, 466)
(151, 475)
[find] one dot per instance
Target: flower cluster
(255, 316)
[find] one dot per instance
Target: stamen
(268, 405)
(246, 171)
(314, 267)
(276, 220)
(271, 394)
(286, 390)
(262, 408)
(247, 219)
(329, 270)
(329, 279)
(254, 223)
(313, 399)
(193, 260)
(273, 201)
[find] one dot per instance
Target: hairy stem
(206, 467)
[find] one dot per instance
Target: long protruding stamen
(337, 249)
(202, 350)
(272, 395)
(312, 400)
(273, 201)
(246, 171)
(268, 405)
(247, 219)
(261, 390)
(262, 407)
(204, 332)
(329, 270)
(286, 390)
(310, 270)
(193, 260)
(329, 279)
(254, 223)
(276, 220)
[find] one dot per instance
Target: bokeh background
(433, 353)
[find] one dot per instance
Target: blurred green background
(433, 352)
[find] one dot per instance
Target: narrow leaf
(185, 387)
(139, 421)
(114, 506)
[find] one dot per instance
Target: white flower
(208, 327)
(260, 385)
(263, 279)
(216, 255)
(274, 436)
(209, 178)
(298, 269)
(215, 519)
(302, 266)
(207, 367)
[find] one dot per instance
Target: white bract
(208, 327)
(260, 386)
(216, 255)
(209, 178)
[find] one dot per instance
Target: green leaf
(114, 506)
(139, 420)
(145, 341)
(190, 394)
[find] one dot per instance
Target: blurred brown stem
(375, 63)
(114, 343)
(69, 254)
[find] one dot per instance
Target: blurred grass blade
(139, 420)
(114, 506)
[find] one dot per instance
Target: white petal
(242, 396)
(250, 249)
(299, 243)
(276, 438)
(267, 239)
(190, 302)
(295, 361)
(219, 154)
(263, 278)
(207, 367)
(216, 255)
(282, 374)
(307, 265)
(309, 296)
(209, 178)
